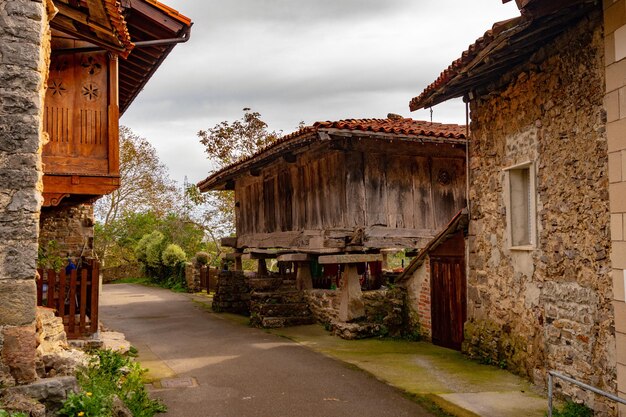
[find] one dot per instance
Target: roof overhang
(99, 22)
(302, 140)
(507, 45)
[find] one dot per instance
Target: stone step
(277, 297)
(276, 322)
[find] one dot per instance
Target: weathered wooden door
(448, 303)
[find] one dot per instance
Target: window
(521, 206)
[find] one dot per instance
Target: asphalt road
(240, 371)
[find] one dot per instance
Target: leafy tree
(145, 186)
(225, 143)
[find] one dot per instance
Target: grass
(169, 284)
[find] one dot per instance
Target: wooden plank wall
(335, 189)
(76, 114)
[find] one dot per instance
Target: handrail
(553, 374)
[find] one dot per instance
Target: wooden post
(304, 280)
(239, 264)
(385, 260)
(351, 303)
(262, 268)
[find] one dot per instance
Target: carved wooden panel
(76, 117)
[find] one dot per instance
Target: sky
(302, 60)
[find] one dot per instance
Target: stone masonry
(24, 56)
(547, 306)
(71, 227)
(615, 103)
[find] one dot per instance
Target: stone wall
(548, 307)
(71, 226)
(232, 294)
(384, 313)
(120, 272)
(24, 56)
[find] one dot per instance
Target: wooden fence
(73, 296)
(208, 278)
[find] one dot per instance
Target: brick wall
(547, 305)
(24, 54)
(615, 104)
(418, 300)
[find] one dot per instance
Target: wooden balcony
(81, 116)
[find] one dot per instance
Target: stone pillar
(351, 305)
(24, 60)
(304, 280)
(262, 268)
(615, 104)
(238, 264)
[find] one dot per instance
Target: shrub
(154, 249)
(110, 375)
(173, 255)
(202, 258)
(572, 409)
(141, 250)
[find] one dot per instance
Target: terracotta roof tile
(173, 13)
(467, 57)
(402, 127)
(114, 11)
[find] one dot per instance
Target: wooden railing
(73, 296)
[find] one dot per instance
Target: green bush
(154, 249)
(202, 258)
(173, 255)
(572, 409)
(110, 374)
(4, 413)
(141, 250)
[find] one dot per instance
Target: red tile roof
(171, 12)
(459, 64)
(114, 12)
(402, 127)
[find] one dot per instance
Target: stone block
(618, 254)
(619, 308)
(618, 285)
(620, 42)
(614, 16)
(17, 302)
(612, 105)
(617, 227)
(620, 343)
(609, 48)
(616, 134)
(53, 390)
(615, 167)
(617, 197)
(615, 77)
(18, 352)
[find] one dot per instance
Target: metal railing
(553, 374)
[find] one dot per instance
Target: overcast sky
(302, 60)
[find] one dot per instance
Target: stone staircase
(275, 302)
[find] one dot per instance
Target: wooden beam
(229, 242)
(354, 258)
(63, 184)
(294, 257)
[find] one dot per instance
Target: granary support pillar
(351, 305)
(304, 279)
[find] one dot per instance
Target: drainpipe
(184, 37)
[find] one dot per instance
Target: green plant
(4, 413)
(173, 255)
(108, 375)
(48, 256)
(202, 258)
(572, 409)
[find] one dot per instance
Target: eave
(503, 48)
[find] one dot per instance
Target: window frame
(532, 215)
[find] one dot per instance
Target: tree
(225, 143)
(145, 187)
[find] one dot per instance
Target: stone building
(48, 109)
(545, 252)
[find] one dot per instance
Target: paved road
(240, 371)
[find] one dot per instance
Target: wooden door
(448, 302)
